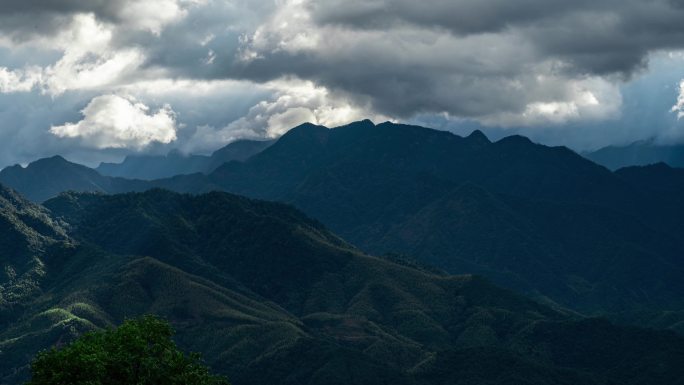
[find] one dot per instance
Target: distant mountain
(269, 295)
(175, 163)
(46, 178)
(638, 154)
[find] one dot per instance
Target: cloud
(88, 61)
(602, 36)
(587, 100)
(475, 59)
(25, 20)
(19, 81)
(568, 72)
(290, 104)
(678, 108)
(111, 121)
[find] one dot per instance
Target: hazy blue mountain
(268, 295)
(638, 154)
(46, 178)
(176, 163)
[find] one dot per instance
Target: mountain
(657, 178)
(149, 167)
(46, 178)
(29, 238)
(267, 295)
(640, 153)
(364, 155)
(536, 219)
(539, 219)
(662, 184)
(28, 234)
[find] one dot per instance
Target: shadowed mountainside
(267, 294)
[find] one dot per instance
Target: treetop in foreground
(140, 352)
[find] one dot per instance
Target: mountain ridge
(640, 153)
(371, 184)
(149, 167)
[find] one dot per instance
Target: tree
(139, 352)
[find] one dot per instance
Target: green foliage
(140, 351)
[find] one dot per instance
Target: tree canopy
(140, 352)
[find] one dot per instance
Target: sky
(97, 80)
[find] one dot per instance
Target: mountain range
(542, 221)
(641, 153)
(176, 163)
(267, 295)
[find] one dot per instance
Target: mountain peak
(307, 132)
(515, 140)
(479, 137)
(53, 161)
(364, 122)
(661, 166)
(306, 127)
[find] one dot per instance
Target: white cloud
(679, 107)
(293, 102)
(90, 61)
(112, 121)
(152, 15)
(19, 81)
(586, 100)
(289, 29)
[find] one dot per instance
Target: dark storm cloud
(600, 36)
(24, 19)
(470, 58)
(461, 16)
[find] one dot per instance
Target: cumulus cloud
(678, 108)
(19, 81)
(291, 104)
(88, 61)
(112, 121)
(588, 100)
